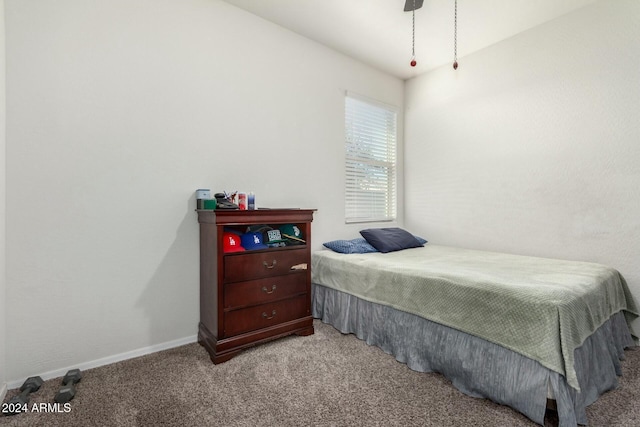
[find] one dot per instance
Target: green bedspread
(541, 308)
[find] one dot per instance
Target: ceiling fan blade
(408, 5)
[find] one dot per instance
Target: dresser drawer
(243, 267)
(254, 292)
(265, 315)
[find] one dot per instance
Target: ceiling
(378, 32)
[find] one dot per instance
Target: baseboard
(3, 391)
(106, 361)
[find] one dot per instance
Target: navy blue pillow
(390, 239)
(355, 246)
(420, 239)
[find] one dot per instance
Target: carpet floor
(326, 379)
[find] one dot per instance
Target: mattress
(540, 308)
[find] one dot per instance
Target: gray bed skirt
(477, 367)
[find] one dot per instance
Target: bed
(515, 329)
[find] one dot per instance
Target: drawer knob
(273, 264)
(273, 288)
(266, 316)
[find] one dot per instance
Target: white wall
(116, 112)
(533, 145)
(3, 275)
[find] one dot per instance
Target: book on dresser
(248, 297)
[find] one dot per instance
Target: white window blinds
(370, 160)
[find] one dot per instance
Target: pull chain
(455, 37)
(413, 35)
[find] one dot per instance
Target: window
(370, 160)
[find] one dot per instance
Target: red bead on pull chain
(455, 65)
(413, 62)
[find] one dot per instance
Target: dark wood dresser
(254, 296)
